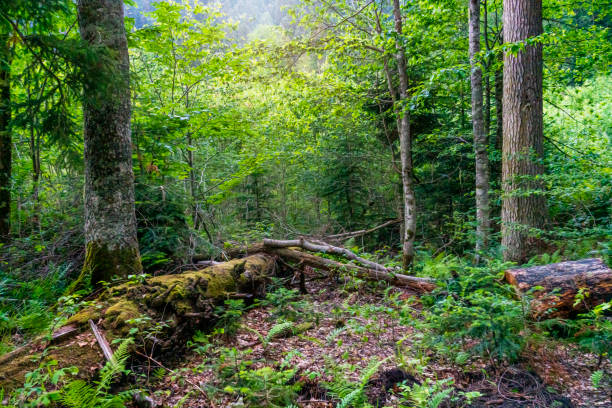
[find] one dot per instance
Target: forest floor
(355, 325)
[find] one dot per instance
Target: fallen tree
(166, 310)
(554, 287)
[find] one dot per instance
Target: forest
(306, 203)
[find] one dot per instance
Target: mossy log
(183, 303)
(554, 287)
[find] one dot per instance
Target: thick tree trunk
(5, 137)
(499, 112)
(480, 137)
(560, 284)
(110, 220)
(408, 251)
(524, 205)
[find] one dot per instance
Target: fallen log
(554, 287)
(174, 306)
(181, 303)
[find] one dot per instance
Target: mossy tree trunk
(110, 220)
(5, 136)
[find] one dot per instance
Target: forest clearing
(305, 203)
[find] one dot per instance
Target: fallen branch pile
(168, 309)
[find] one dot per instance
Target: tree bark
(480, 137)
(524, 205)
(5, 137)
(408, 251)
(110, 220)
(499, 110)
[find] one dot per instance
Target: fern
(79, 394)
(334, 333)
(352, 393)
(596, 378)
(279, 330)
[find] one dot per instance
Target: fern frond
(350, 398)
(114, 366)
(334, 333)
(279, 330)
(78, 394)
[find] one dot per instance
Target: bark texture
(5, 137)
(405, 137)
(110, 220)
(524, 205)
(560, 284)
(480, 136)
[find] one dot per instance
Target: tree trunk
(559, 284)
(110, 219)
(5, 137)
(480, 137)
(499, 110)
(524, 206)
(408, 251)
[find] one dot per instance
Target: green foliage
(351, 394)
(229, 316)
(79, 394)
(478, 315)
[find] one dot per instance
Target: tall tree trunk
(480, 137)
(110, 219)
(523, 206)
(5, 137)
(405, 147)
(499, 107)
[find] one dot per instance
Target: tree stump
(555, 286)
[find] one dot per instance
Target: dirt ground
(353, 327)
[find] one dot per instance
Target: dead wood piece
(418, 284)
(559, 283)
(325, 248)
(102, 342)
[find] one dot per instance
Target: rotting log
(183, 302)
(554, 287)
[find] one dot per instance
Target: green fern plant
(278, 330)
(80, 394)
(351, 394)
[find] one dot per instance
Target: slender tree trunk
(524, 205)
(110, 219)
(480, 137)
(408, 251)
(5, 137)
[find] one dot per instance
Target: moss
(118, 314)
(102, 262)
(84, 316)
